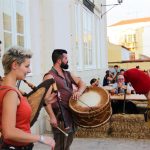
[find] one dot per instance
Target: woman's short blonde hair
(15, 53)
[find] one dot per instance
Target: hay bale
(98, 132)
(120, 126)
(129, 126)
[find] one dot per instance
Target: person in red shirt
(15, 111)
(139, 80)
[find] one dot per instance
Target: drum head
(92, 99)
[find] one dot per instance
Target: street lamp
(113, 5)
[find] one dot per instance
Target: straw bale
(120, 126)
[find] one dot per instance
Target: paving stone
(104, 144)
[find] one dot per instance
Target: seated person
(121, 71)
(108, 78)
(137, 67)
(94, 82)
(116, 69)
(119, 87)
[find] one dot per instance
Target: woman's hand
(47, 140)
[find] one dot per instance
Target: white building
(43, 25)
(133, 34)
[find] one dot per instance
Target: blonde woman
(15, 111)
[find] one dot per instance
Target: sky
(129, 9)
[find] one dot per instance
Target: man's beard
(64, 66)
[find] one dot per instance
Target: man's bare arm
(48, 108)
(81, 87)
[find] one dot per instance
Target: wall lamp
(113, 5)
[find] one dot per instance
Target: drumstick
(66, 134)
(85, 104)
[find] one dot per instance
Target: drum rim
(89, 88)
(93, 112)
(98, 125)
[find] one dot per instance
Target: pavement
(103, 144)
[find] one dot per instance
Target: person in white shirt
(119, 87)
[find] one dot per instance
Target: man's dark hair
(122, 70)
(0, 42)
(115, 66)
(107, 71)
(92, 81)
(57, 54)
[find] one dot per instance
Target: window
(130, 41)
(77, 27)
(87, 38)
(7, 23)
(20, 23)
(15, 23)
(98, 42)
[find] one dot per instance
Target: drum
(93, 108)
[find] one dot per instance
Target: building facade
(44, 25)
(133, 34)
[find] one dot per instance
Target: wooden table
(139, 100)
(138, 97)
(108, 88)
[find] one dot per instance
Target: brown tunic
(65, 89)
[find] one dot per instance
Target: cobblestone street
(103, 144)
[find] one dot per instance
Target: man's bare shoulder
(48, 76)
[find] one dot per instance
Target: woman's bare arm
(9, 130)
(48, 108)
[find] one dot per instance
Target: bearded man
(64, 81)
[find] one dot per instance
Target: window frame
(96, 50)
(26, 23)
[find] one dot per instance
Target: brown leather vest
(65, 89)
(64, 85)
